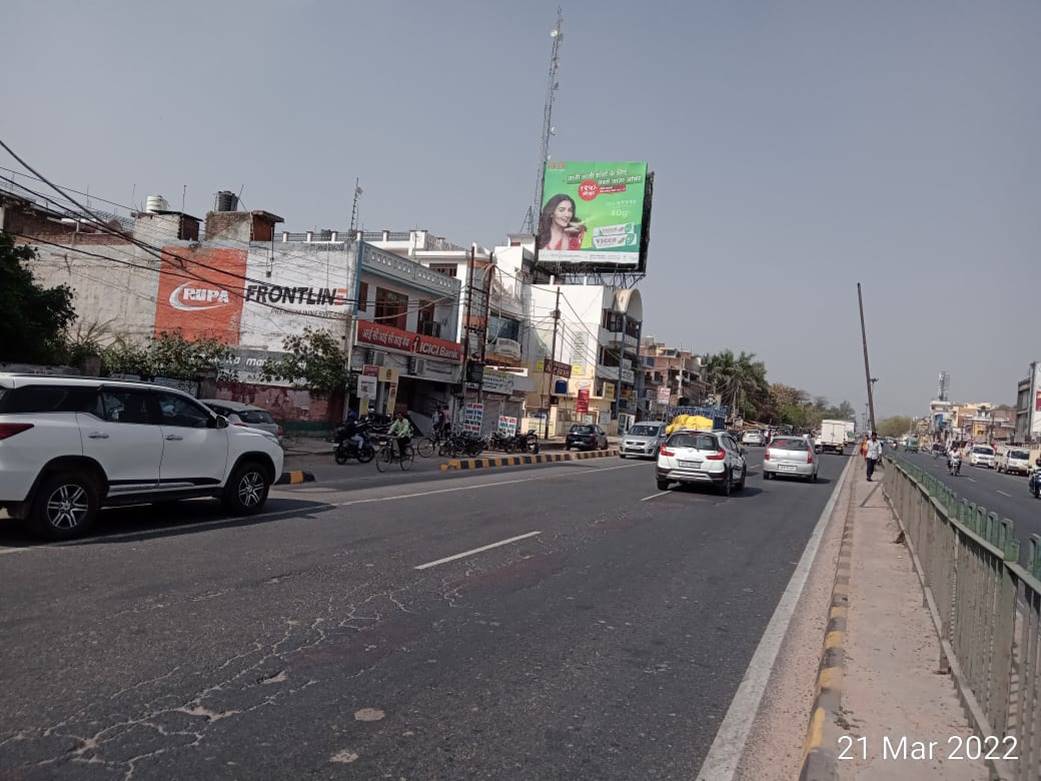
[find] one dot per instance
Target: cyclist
(401, 430)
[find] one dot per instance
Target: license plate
(690, 464)
(786, 468)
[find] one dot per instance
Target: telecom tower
(943, 385)
(552, 85)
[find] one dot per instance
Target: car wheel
(663, 485)
(727, 486)
(66, 506)
(741, 483)
(246, 490)
(813, 477)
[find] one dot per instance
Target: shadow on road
(145, 522)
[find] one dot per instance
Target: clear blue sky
(799, 148)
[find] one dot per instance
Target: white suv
(71, 445)
(982, 455)
(702, 457)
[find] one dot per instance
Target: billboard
(594, 214)
(200, 293)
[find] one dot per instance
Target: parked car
(790, 456)
(585, 436)
(1014, 460)
(239, 414)
(754, 437)
(69, 446)
(982, 455)
(711, 457)
(642, 440)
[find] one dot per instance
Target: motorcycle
(1034, 482)
(347, 448)
(954, 465)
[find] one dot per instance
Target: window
(644, 430)
(255, 416)
(125, 405)
(782, 443)
(448, 269)
(391, 308)
(363, 296)
(425, 319)
(695, 441)
(582, 429)
(504, 327)
(178, 410)
(48, 398)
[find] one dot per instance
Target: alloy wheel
(67, 506)
(251, 488)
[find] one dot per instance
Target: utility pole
(867, 366)
(354, 208)
(467, 313)
(531, 218)
(549, 374)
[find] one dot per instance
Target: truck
(834, 435)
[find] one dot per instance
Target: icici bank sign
(408, 341)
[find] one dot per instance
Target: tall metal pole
(867, 366)
(549, 374)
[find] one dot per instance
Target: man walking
(874, 452)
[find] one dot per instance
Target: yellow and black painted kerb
(295, 477)
(490, 462)
(820, 751)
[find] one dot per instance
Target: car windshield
(255, 416)
(644, 431)
(789, 443)
(985, 451)
(695, 441)
(581, 430)
(1020, 454)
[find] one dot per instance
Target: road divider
(295, 477)
(491, 462)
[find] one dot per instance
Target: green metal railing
(987, 603)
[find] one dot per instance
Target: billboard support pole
(867, 367)
(549, 375)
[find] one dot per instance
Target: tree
(315, 361)
(34, 319)
(896, 426)
(739, 381)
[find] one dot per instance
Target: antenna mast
(552, 85)
(354, 210)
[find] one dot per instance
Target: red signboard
(200, 292)
(557, 369)
(409, 342)
(582, 403)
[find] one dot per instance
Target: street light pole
(867, 366)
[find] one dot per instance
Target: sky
(799, 148)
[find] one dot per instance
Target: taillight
(809, 456)
(664, 451)
(719, 455)
(10, 429)
(766, 456)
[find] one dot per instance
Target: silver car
(642, 440)
(790, 456)
(239, 414)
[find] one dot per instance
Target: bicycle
(387, 453)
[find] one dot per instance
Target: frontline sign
(298, 296)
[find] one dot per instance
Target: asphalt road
(369, 632)
(1007, 495)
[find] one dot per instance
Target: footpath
(884, 709)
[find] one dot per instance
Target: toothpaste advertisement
(592, 213)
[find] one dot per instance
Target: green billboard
(593, 214)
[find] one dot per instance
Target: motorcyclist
(352, 430)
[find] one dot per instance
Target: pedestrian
(873, 452)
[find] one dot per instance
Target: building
(671, 377)
(941, 414)
(1028, 406)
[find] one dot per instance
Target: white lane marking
(970, 479)
(728, 747)
(653, 496)
(1004, 494)
(395, 497)
(472, 551)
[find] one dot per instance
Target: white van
(1015, 460)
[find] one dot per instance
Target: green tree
(34, 319)
(739, 381)
(896, 426)
(315, 361)
(166, 355)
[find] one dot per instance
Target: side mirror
(218, 422)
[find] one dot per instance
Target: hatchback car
(711, 457)
(1014, 461)
(982, 455)
(642, 440)
(239, 414)
(752, 438)
(790, 456)
(584, 436)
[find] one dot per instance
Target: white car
(982, 455)
(752, 438)
(1015, 460)
(702, 457)
(790, 457)
(69, 446)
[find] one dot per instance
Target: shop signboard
(473, 417)
(367, 386)
(409, 342)
(582, 402)
(497, 382)
(507, 425)
(663, 394)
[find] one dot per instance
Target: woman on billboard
(558, 227)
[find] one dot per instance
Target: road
(372, 631)
(1006, 495)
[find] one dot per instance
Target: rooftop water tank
(227, 201)
(155, 204)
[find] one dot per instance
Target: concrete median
(491, 462)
